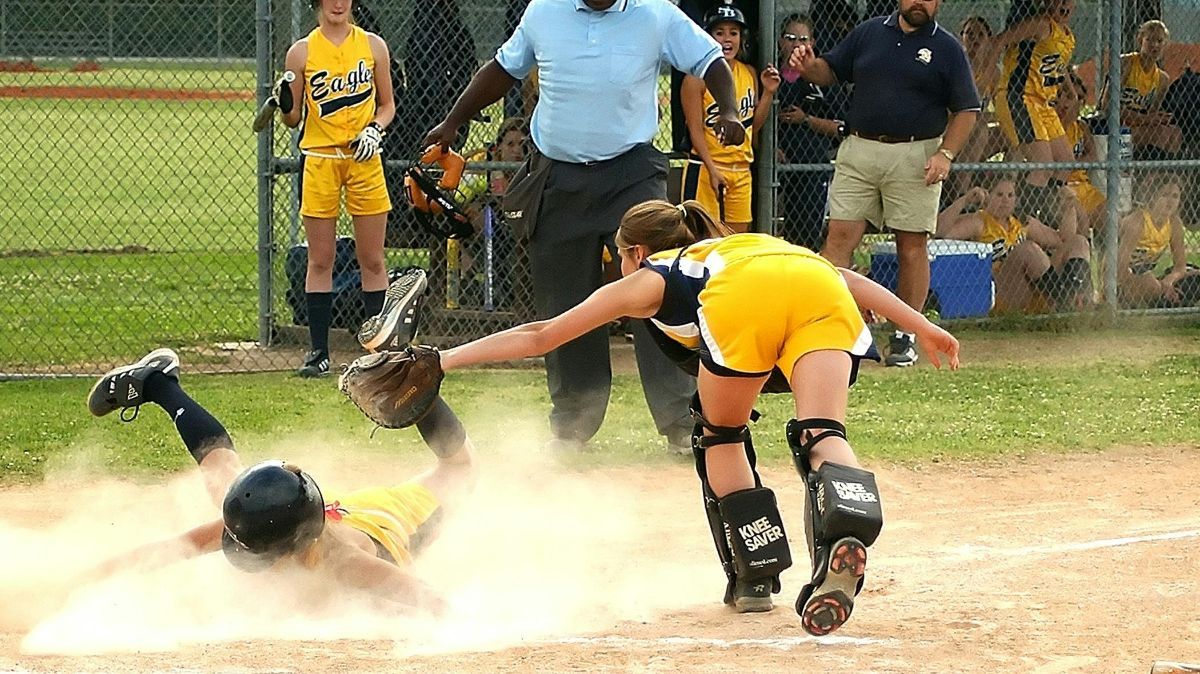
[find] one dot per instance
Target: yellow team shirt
(1075, 139)
(396, 518)
(745, 90)
(1037, 67)
(1004, 236)
(1139, 86)
(1152, 243)
(339, 89)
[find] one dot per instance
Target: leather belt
(883, 138)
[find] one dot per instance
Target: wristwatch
(946, 153)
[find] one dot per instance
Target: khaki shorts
(884, 183)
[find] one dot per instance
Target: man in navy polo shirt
(913, 107)
(596, 116)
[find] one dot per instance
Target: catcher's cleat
(316, 364)
(826, 604)
(752, 596)
(123, 387)
(395, 326)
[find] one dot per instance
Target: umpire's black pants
(581, 207)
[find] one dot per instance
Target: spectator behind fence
(1034, 267)
(1143, 85)
(591, 160)
(985, 140)
(718, 175)
(809, 119)
(1146, 234)
(1037, 53)
(480, 194)
(1091, 213)
(912, 84)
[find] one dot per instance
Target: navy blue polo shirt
(905, 84)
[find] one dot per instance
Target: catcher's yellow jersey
(399, 519)
(1074, 131)
(1153, 241)
(745, 92)
(1004, 236)
(1037, 67)
(1138, 86)
(339, 89)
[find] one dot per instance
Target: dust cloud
(537, 551)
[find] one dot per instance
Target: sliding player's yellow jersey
(339, 89)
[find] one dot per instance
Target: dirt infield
(124, 93)
(1083, 563)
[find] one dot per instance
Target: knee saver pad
(755, 533)
(845, 502)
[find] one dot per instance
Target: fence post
(765, 184)
(263, 49)
(1113, 160)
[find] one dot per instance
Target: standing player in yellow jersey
(345, 84)
(718, 175)
(274, 515)
(1143, 85)
(1037, 55)
(1146, 234)
(711, 305)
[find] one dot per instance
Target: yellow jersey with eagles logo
(1138, 85)
(339, 89)
(1153, 241)
(1037, 67)
(745, 91)
(1004, 236)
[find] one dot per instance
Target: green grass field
(1044, 392)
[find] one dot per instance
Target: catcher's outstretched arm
(870, 295)
(638, 295)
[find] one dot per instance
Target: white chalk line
(782, 643)
(983, 552)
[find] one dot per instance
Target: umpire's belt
(884, 138)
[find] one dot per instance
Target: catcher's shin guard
(746, 526)
(842, 518)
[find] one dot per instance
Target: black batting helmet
(726, 11)
(271, 509)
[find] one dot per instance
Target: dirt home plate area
(1082, 563)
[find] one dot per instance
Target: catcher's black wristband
(441, 429)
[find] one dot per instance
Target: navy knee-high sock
(373, 301)
(320, 316)
(200, 431)
(441, 429)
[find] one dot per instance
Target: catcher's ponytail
(660, 225)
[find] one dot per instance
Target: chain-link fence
(132, 219)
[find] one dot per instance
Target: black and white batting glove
(366, 143)
(282, 92)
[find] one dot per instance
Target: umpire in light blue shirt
(598, 67)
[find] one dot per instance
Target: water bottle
(1125, 205)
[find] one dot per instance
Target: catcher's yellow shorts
(770, 310)
(737, 190)
(1025, 119)
(1090, 198)
(325, 174)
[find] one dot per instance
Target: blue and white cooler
(960, 276)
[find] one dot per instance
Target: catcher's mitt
(394, 388)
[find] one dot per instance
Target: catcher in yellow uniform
(747, 313)
(718, 175)
(274, 513)
(345, 85)
(1146, 235)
